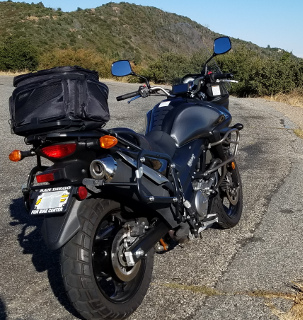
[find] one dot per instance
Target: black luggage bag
(58, 99)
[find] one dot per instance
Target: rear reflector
(82, 193)
(47, 177)
(59, 151)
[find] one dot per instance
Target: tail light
(59, 150)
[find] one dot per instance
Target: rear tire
(94, 288)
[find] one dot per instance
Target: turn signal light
(46, 177)
(15, 156)
(59, 151)
(233, 165)
(108, 142)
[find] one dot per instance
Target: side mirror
(222, 45)
(121, 68)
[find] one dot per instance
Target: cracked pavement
(242, 273)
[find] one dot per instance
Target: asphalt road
(242, 273)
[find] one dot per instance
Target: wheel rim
(230, 194)
(117, 282)
(120, 267)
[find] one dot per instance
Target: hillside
(116, 30)
(162, 46)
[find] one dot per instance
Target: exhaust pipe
(104, 168)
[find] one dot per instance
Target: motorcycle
(112, 197)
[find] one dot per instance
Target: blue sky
(278, 23)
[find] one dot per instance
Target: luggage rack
(32, 139)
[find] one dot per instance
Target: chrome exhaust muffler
(104, 168)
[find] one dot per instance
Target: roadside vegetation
(162, 46)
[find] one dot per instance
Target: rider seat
(157, 141)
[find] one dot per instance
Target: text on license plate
(51, 201)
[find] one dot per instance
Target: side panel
(186, 159)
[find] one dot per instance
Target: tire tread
(77, 273)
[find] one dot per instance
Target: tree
(18, 54)
(168, 68)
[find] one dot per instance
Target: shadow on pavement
(43, 259)
(3, 314)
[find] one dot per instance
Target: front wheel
(230, 193)
(96, 277)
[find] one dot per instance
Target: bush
(260, 75)
(85, 58)
(18, 54)
(168, 68)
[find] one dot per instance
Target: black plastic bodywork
(186, 120)
(57, 230)
(182, 127)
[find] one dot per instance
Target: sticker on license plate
(216, 90)
(51, 201)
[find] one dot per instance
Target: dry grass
(299, 133)
(294, 98)
(13, 74)
(294, 313)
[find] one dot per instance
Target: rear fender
(57, 230)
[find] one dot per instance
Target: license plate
(216, 90)
(51, 201)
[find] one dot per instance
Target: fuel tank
(187, 119)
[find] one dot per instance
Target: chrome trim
(163, 90)
(104, 168)
(225, 137)
(233, 154)
(147, 171)
(207, 224)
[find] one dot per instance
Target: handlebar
(128, 95)
(196, 86)
(218, 76)
(212, 77)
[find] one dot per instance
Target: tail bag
(71, 98)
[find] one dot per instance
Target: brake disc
(233, 194)
(120, 244)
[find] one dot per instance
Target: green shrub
(168, 68)
(18, 54)
(260, 75)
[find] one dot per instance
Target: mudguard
(57, 230)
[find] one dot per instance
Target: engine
(202, 190)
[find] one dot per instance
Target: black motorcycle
(112, 197)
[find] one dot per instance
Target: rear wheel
(97, 279)
(230, 192)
